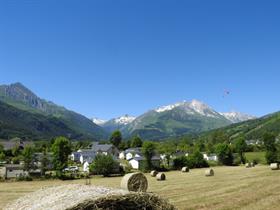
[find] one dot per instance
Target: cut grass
(229, 188)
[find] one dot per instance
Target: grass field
(259, 156)
(230, 188)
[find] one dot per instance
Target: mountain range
(173, 120)
(24, 114)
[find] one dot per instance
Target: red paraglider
(226, 92)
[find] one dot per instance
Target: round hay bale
(209, 172)
(185, 169)
(136, 182)
(84, 197)
(274, 166)
(154, 173)
(248, 165)
(252, 164)
(161, 177)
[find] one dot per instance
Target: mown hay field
(230, 188)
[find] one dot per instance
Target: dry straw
(209, 172)
(154, 173)
(274, 166)
(161, 177)
(185, 169)
(85, 197)
(136, 182)
(248, 165)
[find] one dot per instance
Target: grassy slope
(15, 122)
(230, 188)
(252, 129)
(76, 122)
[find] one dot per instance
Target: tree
(167, 148)
(1, 148)
(224, 154)
(27, 154)
(44, 162)
(116, 138)
(16, 150)
(2, 156)
(103, 165)
(196, 160)
(148, 150)
(270, 147)
(240, 147)
(136, 142)
(180, 162)
(128, 143)
(61, 148)
(185, 144)
(219, 136)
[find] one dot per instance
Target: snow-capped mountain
(98, 121)
(193, 107)
(117, 123)
(124, 120)
(173, 120)
(236, 117)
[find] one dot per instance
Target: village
(130, 159)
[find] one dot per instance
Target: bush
(196, 160)
(66, 176)
(271, 157)
(224, 154)
(212, 163)
(237, 161)
(104, 165)
(24, 178)
(180, 162)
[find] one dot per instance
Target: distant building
(12, 171)
(9, 145)
(179, 154)
(210, 157)
(86, 164)
(253, 142)
(139, 162)
(87, 155)
(106, 149)
(38, 157)
(133, 152)
(75, 156)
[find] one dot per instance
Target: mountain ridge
(19, 96)
(175, 119)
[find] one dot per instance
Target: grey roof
(133, 150)
(8, 145)
(13, 166)
(102, 147)
(142, 158)
(87, 152)
(89, 159)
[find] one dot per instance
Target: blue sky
(108, 58)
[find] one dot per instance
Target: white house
(122, 155)
(87, 156)
(12, 171)
(133, 152)
(210, 157)
(138, 162)
(86, 164)
(75, 156)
